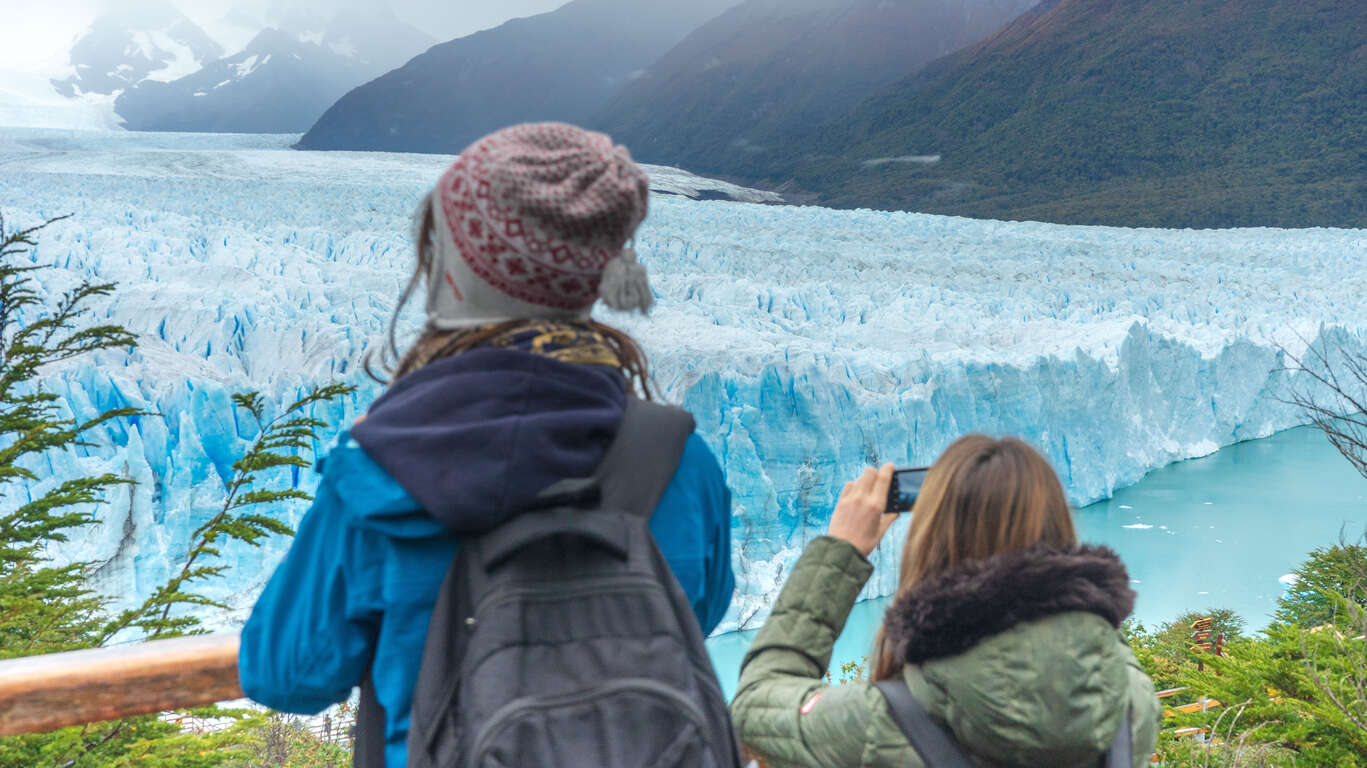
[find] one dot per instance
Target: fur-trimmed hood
(948, 614)
(1021, 654)
(1018, 656)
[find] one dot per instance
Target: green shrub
(1336, 570)
(48, 609)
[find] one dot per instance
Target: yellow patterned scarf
(563, 340)
(566, 341)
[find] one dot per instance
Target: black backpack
(939, 749)
(562, 639)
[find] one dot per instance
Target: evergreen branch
(250, 498)
(280, 433)
(321, 394)
(36, 521)
(25, 236)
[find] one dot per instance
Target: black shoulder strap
(643, 457)
(367, 742)
(939, 749)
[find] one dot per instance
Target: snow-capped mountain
(154, 68)
(370, 35)
(277, 84)
(282, 80)
(122, 49)
(117, 51)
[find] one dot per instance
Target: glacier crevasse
(807, 342)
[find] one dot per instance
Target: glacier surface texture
(808, 342)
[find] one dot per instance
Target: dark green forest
(1171, 113)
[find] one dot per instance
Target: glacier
(29, 100)
(808, 342)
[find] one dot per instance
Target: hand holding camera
(858, 516)
(868, 506)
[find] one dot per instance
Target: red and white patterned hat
(532, 222)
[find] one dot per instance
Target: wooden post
(43, 693)
(1201, 632)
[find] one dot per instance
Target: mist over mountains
(1171, 113)
(282, 81)
(119, 51)
(277, 84)
(150, 67)
(564, 65)
(741, 88)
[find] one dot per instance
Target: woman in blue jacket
(510, 388)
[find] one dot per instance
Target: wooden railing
(42, 693)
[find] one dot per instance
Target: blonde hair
(983, 497)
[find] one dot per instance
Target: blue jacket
(454, 448)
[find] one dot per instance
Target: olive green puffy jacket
(1048, 691)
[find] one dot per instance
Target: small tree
(46, 608)
(1328, 574)
(1166, 650)
(280, 441)
(1303, 686)
(1335, 398)
(1284, 680)
(1328, 600)
(1229, 745)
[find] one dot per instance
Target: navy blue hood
(475, 437)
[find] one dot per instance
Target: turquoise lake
(1218, 531)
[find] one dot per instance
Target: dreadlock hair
(435, 344)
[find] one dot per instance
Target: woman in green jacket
(1005, 630)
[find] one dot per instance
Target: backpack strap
(631, 478)
(367, 741)
(601, 528)
(643, 457)
(937, 746)
(939, 749)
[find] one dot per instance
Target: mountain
(1172, 113)
(369, 33)
(562, 65)
(122, 49)
(282, 81)
(277, 84)
(745, 84)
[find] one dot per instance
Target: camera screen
(906, 485)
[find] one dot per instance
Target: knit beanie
(532, 222)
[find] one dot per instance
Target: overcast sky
(37, 33)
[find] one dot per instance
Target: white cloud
(39, 34)
(446, 20)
